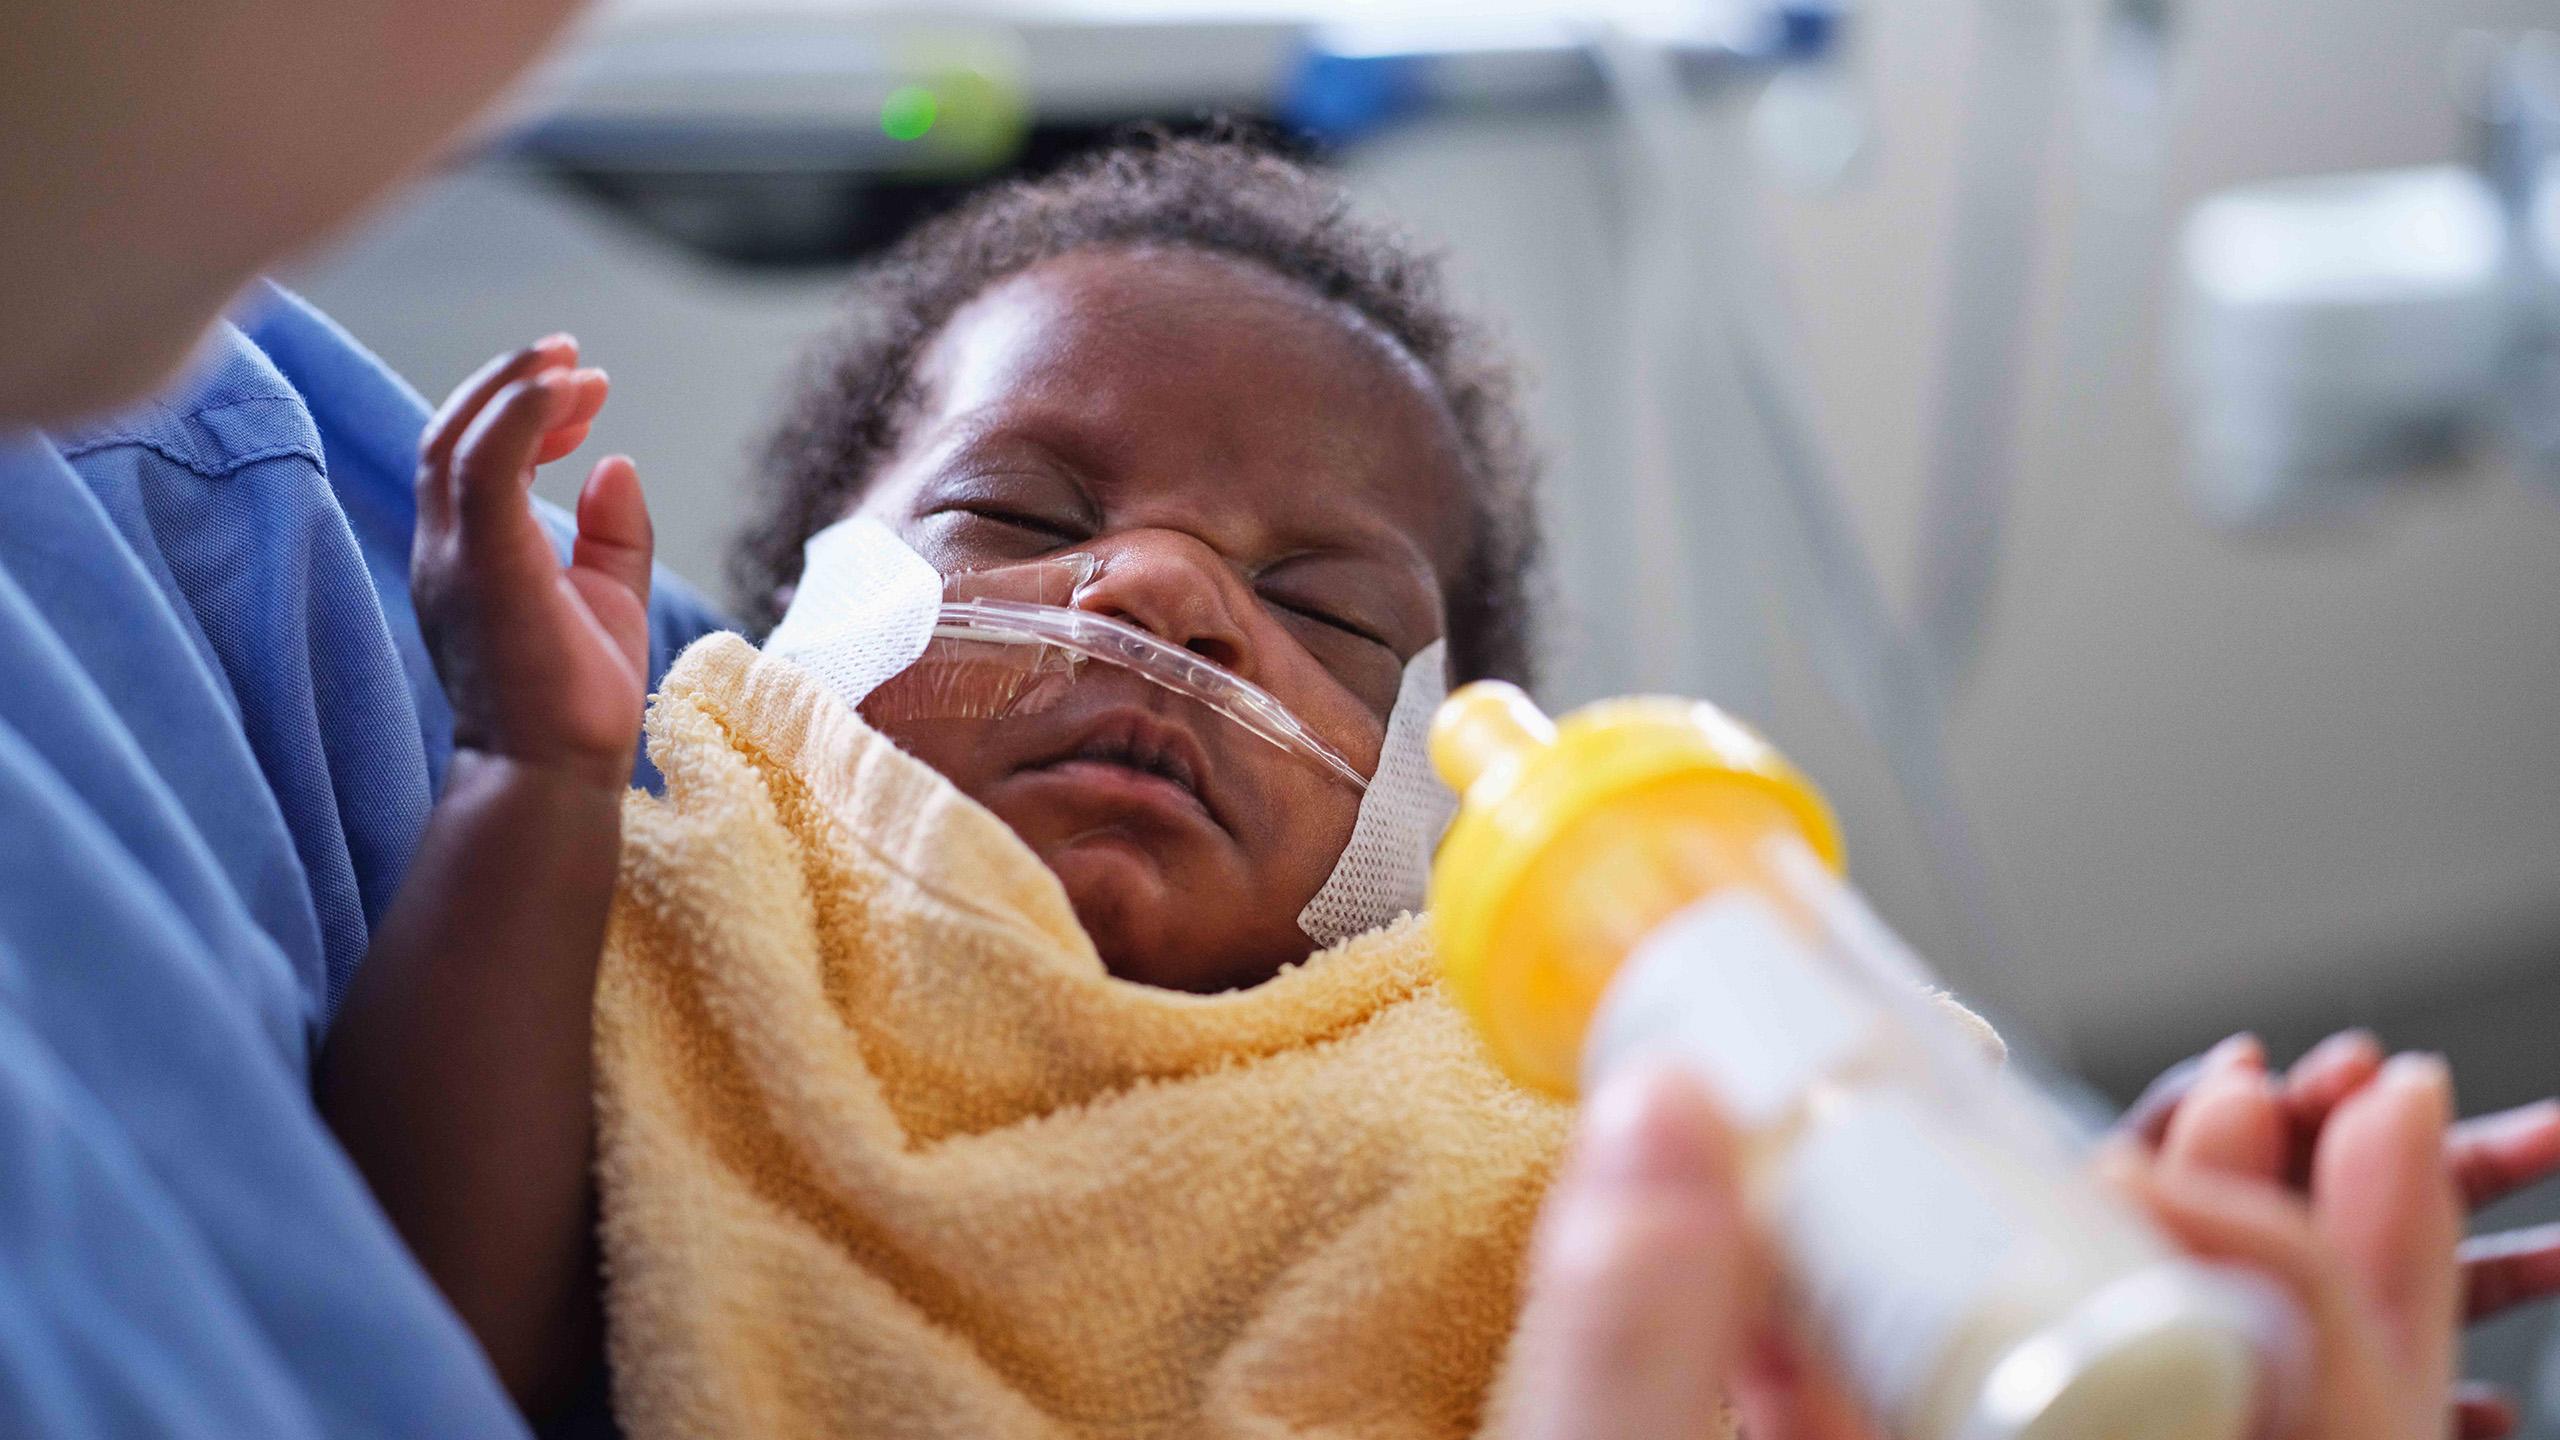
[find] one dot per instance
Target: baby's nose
(1174, 587)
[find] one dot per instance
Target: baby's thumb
(1644, 1287)
(614, 535)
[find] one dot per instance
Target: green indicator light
(908, 113)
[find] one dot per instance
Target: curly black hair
(1224, 195)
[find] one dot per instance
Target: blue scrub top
(219, 739)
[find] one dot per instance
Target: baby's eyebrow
(1073, 442)
(1380, 547)
(1363, 530)
(993, 441)
(1412, 598)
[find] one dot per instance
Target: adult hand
(1653, 1304)
(1652, 1299)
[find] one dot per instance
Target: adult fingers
(1782, 1392)
(2515, 1267)
(2231, 1122)
(2384, 1196)
(2496, 1155)
(1643, 1283)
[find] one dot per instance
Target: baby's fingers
(493, 464)
(2384, 1197)
(2231, 1122)
(455, 416)
(570, 430)
(2318, 1084)
(1782, 1392)
(615, 539)
(2218, 1217)
(2152, 1112)
(2328, 1073)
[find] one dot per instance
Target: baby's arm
(458, 1073)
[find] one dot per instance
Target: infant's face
(1262, 478)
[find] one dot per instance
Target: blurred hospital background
(2148, 721)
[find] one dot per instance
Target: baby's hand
(545, 665)
(2491, 1156)
(2367, 1252)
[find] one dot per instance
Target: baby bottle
(1649, 880)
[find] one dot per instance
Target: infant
(1255, 418)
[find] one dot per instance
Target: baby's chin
(1146, 930)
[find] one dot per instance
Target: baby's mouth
(1136, 756)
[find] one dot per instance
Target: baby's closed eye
(1327, 614)
(1065, 532)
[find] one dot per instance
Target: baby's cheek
(1354, 709)
(1354, 723)
(956, 749)
(1312, 818)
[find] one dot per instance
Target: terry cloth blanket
(886, 1154)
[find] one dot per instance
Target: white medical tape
(1385, 869)
(864, 610)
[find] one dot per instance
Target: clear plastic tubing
(1649, 881)
(1094, 636)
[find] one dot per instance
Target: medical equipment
(1360, 76)
(1009, 642)
(1648, 881)
(1385, 869)
(904, 644)
(782, 138)
(897, 639)
(2337, 333)
(808, 134)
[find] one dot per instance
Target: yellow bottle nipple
(1483, 726)
(1572, 839)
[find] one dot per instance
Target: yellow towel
(885, 1153)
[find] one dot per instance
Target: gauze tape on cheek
(1386, 868)
(864, 610)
